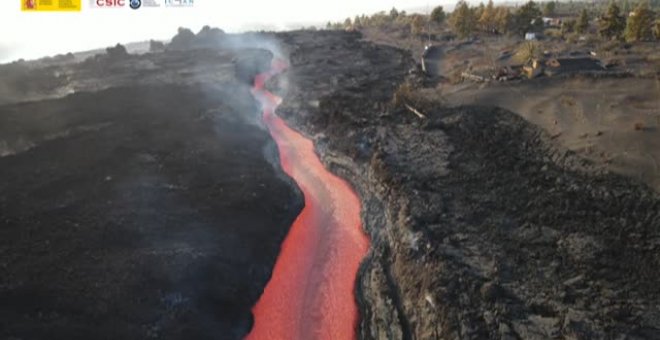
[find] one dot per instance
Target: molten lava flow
(311, 292)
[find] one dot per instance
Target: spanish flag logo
(51, 5)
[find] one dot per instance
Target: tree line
(620, 20)
(639, 23)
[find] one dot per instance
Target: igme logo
(135, 4)
(108, 3)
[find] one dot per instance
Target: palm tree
(527, 52)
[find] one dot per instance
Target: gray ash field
(150, 203)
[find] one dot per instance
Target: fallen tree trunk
(412, 109)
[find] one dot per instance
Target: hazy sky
(31, 35)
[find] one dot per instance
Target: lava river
(311, 292)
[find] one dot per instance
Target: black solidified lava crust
(152, 206)
(481, 227)
(153, 210)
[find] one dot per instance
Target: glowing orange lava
(311, 293)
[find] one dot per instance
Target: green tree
(403, 18)
(640, 25)
(612, 23)
(626, 7)
(582, 23)
(527, 18)
(347, 23)
(549, 8)
(382, 19)
(438, 15)
(487, 19)
(479, 10)
(656, 29)
(503, 19)
(462, 20)
(358, 23)
(416, 25)
(394, 13)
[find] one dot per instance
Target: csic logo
(108, 3)
(135, 4)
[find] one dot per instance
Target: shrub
(408, 94)
(553, 33)
(403, 95)
(610, 45)
(572, 38)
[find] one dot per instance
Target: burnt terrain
(482, 227)
(147, 204)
